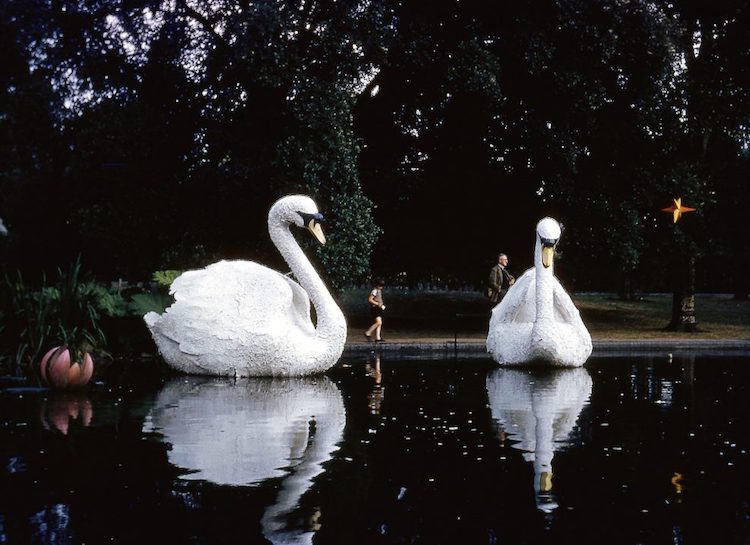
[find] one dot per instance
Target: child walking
(376, 311)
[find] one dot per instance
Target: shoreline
(440, 349)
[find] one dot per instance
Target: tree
(201, 114)
(712, 42)
(441, 159)
(454, 127)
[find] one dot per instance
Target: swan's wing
(300, 302)
(574, 339)
(519, 304)
(564, 308)
(227, 304)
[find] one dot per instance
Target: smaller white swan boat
(537, 322)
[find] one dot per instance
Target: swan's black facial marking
(312, 223)
(548, 242)
(309, 220)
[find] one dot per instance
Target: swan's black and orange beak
(312, 223)
(548, 251)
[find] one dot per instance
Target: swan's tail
(151, 318)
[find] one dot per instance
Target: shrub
(67, 312)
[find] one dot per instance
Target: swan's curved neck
(328, 312)
(544, 285)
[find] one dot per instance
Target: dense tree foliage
(171, 127)
(596, 112)
(155, 134)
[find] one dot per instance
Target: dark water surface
(625, 450)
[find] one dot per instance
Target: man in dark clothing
(500, 280)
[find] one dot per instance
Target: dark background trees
(149, 135)
(171, 129)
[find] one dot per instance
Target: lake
(631, 450)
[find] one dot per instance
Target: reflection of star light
(677, 209)
(677, 482)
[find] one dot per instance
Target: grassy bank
(718, 316)
(445, 314)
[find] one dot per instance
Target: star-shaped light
(677, 209)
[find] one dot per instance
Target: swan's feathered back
(515, 306)
(238, 281)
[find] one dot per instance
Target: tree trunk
(683, 297)
(625, 290)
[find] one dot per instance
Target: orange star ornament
(677, 209)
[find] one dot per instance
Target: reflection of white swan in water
(537, 321)
(240, 318)
(244, 432)
(538, 409)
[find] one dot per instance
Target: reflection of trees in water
(54, 522)
(659, 384)
(245, 432)
(537, 410)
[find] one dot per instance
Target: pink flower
(59, 373)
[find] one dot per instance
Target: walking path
(440, 345)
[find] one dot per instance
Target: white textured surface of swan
(537, 322)
(239, 318)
